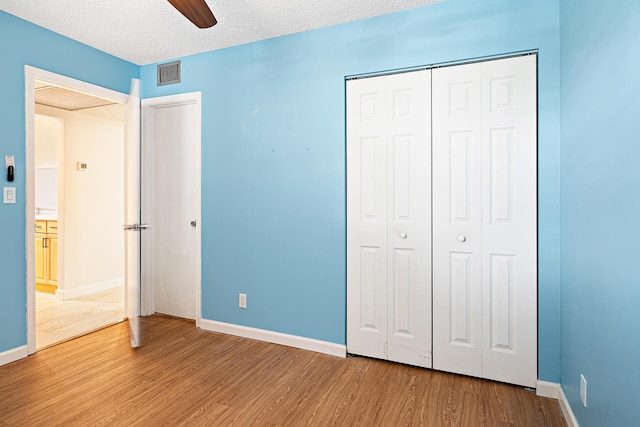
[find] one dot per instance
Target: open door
(133, 227)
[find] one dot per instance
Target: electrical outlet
(242, 300)
(583, 390)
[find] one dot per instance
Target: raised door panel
(509, 220)
(367, 217)
(409, 218)
(457, 210)
(371, 289)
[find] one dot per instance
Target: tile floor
(58, 321)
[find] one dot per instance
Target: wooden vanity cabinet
(46, 255)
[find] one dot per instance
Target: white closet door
(367, 217)
(485, 263)
(388, 217)
(457, 219)
(509, 232)
(409, 218)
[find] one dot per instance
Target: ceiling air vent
(169, 73)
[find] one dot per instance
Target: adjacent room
(78, 195)
(350, 213)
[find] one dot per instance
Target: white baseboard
(569, 416)
(554, 391)
(80, 291)
(275, 337)
(13, 355)
(548, 389)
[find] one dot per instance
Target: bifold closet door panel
(409, 219)
(367, 216)
(457, 219)
(509, 232)
(484, 212)
(389, 217)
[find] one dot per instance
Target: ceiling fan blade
(195, 11)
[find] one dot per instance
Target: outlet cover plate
(242, 300)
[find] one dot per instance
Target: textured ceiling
(69, 100)
(147, 31)
(48, 95)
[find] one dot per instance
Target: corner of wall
(554, 391)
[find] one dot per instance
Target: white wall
(92, 202)
(49, 131)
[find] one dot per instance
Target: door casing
(32, 74)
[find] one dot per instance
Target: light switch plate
(9, 194)
(9, 161)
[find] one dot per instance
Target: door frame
(32, 74)
(148, 105)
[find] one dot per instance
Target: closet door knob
(462, 238)
(403, 235)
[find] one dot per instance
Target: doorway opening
(75, 198)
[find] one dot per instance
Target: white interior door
(484, 220)
(171, 187)
(389, 217)
(132, 213)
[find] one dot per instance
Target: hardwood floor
(185, 376)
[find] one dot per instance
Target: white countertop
(47, 217)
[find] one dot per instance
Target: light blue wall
(274, 170)
(273, 154)
(23, 44)
(600, 205)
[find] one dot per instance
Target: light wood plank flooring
(60, 320)
(185, 376)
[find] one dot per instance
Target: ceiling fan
(195, 11)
